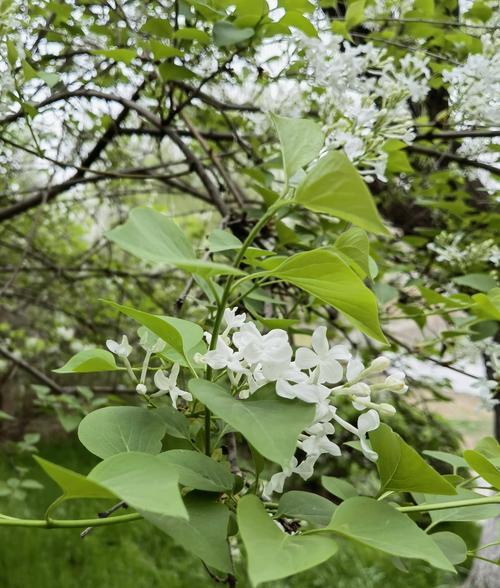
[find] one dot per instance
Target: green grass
(139, 556)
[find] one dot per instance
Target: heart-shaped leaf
(273, 554)
(270, 423)
(378, 525)
(118, 429)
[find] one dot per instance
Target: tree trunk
(482, 573)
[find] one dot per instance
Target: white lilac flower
(223, 357)
(122, 349)
(233, 320)
(305, 391)
(368, 421)
(167, 384)
(277, 481)
(322, 358)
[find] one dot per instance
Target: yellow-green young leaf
(301, 141)
(124, 55)
(354, 14)
(354, 248)
(401, 468)
(152, 236)
(204, 534)
(335, 187)
(323, 274)
(198, 471)
(89, 360)
(483, 466)
(382, 527)
(182, 335)
(297, 20)
(143, 481)
(271, 553)
(118, 429)
(73, 484)
(270, 423)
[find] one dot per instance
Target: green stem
(68, 524)
(265, 218)
(452, 504)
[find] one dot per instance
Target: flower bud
(141, 389)
(379, 364)
(359, 389)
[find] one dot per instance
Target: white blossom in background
(451, 249)
(364, 98)
(377, 9)
(474, 97)
(318, 375)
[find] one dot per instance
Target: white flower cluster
(474, 91)
(451, 249)
(318, 375)
(363, 97)
(378, 9)
(165, 383)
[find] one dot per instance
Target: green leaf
(204, 534)
(481, 282)
(354, 14)
(270, 423)
(382, 527)
(301, 141)
(124, 55)
(353, 247)
(180, 334)
(5, 416)
(452, 545)
(72, 484)
(489, 447)
(143, 481)
(454, 460)
(118, 429)
(299, 21)
(323, 274)
(176, 424)
(159, 27)
(273, 554)
(198, 471)
(340, 488)
(192, 34)
(171, 71)
(401, 468)
(483, 466)
(220, 240)
(305, 506)
(152, 236)
(90, 360)
(226, 34)
(461, 513)
(335, 187)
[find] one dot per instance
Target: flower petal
(306, 358)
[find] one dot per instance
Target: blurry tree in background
(108, 105)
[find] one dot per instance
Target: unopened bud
(359, 389)
(379, 364)
(141, 389)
